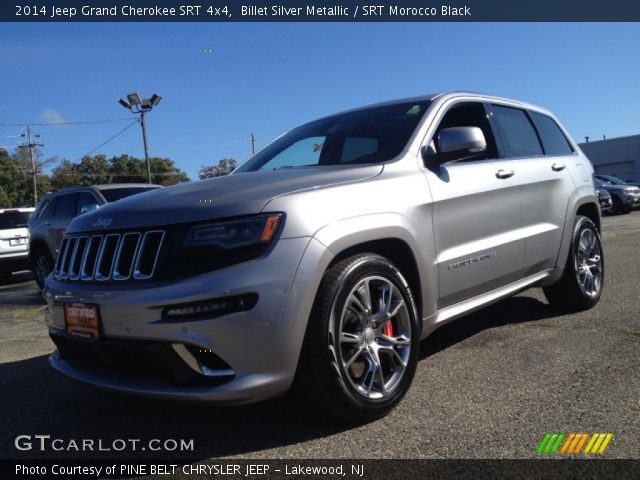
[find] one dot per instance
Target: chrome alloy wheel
(374, 337)
(589, 263)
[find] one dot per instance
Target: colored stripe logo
(573, 443)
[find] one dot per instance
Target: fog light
(211, 308)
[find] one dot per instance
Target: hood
(619, 188)
(228, 196)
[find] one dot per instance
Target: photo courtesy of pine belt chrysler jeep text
(325, 258)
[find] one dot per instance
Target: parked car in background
(606, 202)
(625, 197)
(615, 180)
(57, 209)
(327, 256)
(14, 241)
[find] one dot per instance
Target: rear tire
(361, 346)
(42, 266)
(581, 284)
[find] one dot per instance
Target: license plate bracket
(82, 319)
(17, 242)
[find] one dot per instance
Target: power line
(56, 124)
(113, 137)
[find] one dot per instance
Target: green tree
(66, 174)
(94, 170)
(23, 158)
(15, 182)
(165, 172)
(224, 167)
(126, 169)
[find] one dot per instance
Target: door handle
(556, 167)
(48, 224)
(502, 173)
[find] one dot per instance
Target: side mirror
(90, 207)
(456, 143)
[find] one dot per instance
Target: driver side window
(468, 114)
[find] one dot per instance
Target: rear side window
(66, 206)
(553, 140)
(516, 133)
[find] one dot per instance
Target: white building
(615, 156)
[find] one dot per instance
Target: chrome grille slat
(93, 248)
(148, 238)
(68, 256)
(61, 255)
(114, 257)
(123, 265)
(107, 255)
(76, 260)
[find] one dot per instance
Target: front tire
(581, 285)
(361, 346)
(42, 266)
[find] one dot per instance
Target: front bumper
(606, 204)
(141, 353)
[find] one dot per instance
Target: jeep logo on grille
(103, 222)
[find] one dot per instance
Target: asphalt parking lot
(488, 386)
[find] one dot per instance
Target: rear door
(539, 151)
(63, 213)
(476, 214)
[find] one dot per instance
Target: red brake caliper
(387, 329)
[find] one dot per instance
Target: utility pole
(253, 144)
(34, 172)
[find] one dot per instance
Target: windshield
(14, 220)
(600, 183)
(371, 135)
(113, 194)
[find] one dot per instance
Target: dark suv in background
(625, 197)
(57, 209)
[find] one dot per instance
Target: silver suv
(57, 209)
(327, 256)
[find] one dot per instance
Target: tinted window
(113, 194)
(356, 148)
(301, 154)
(48, 208)
(85, 199)
(345, 138)
(14, 219)
(517, 136)
(66, 206)
(553, 140)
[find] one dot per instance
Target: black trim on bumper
(150, 358)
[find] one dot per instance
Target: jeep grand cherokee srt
(325, 258)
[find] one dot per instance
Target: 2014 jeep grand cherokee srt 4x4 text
(324, 259)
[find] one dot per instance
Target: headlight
(629, 191)
(243, 232)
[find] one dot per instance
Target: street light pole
(146, 147)
(136, 105)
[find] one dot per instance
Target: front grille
(113, 257)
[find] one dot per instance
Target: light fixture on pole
(137, 105)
